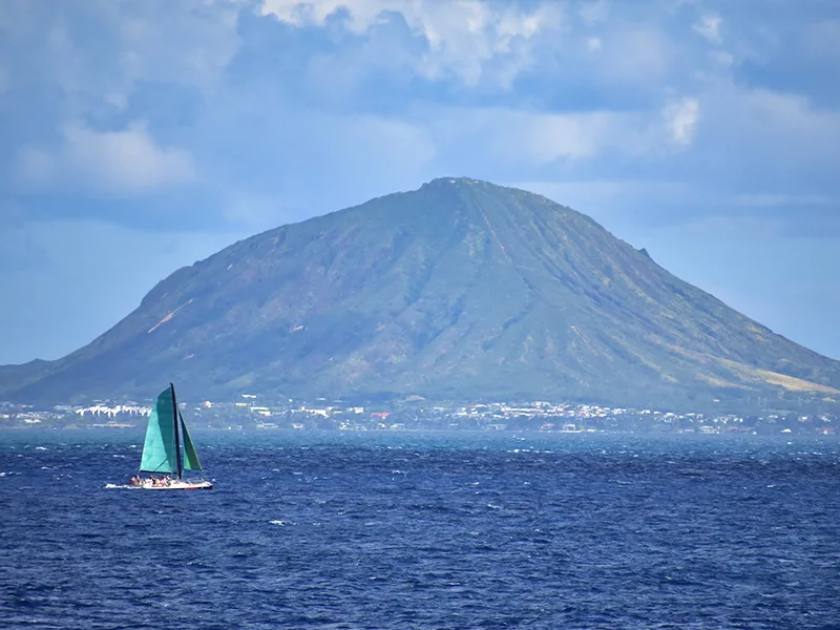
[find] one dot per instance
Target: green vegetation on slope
(459, 290)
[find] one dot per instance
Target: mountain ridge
(460, 289)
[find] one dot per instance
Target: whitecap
(280, 523)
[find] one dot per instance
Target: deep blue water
(414, 531)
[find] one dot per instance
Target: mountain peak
(488, 293)
(475, 185)
(457, 181)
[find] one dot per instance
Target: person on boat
(135, 480)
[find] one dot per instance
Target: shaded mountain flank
(460, 290)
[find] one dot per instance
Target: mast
(175, 427)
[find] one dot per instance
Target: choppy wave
(414, 532)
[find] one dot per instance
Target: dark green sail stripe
(191, 457)
(159, 447)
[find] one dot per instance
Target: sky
(139, 137)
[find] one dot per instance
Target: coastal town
(250, 413)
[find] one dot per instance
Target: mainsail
(168, 447)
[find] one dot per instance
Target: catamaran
(168, 450)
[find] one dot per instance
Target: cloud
(550, 137)
(709, 27)
(635, 55)
(461, 37)
(271, 99)
(193, 45)
(778, 139)
(502, 136)
(515, 142)
(126, 162)
(794, 51)
(681, 118)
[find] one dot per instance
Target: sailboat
(168, 450)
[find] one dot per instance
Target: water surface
(424, 531)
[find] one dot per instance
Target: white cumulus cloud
(126, 162)
(462, 36)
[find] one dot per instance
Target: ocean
(434, 530)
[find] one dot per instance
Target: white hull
(173, 485)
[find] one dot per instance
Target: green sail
(159, 449)
(191, 457)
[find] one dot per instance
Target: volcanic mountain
(460, 290)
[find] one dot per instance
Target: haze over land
(461, 290)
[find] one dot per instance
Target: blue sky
(137, 137)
